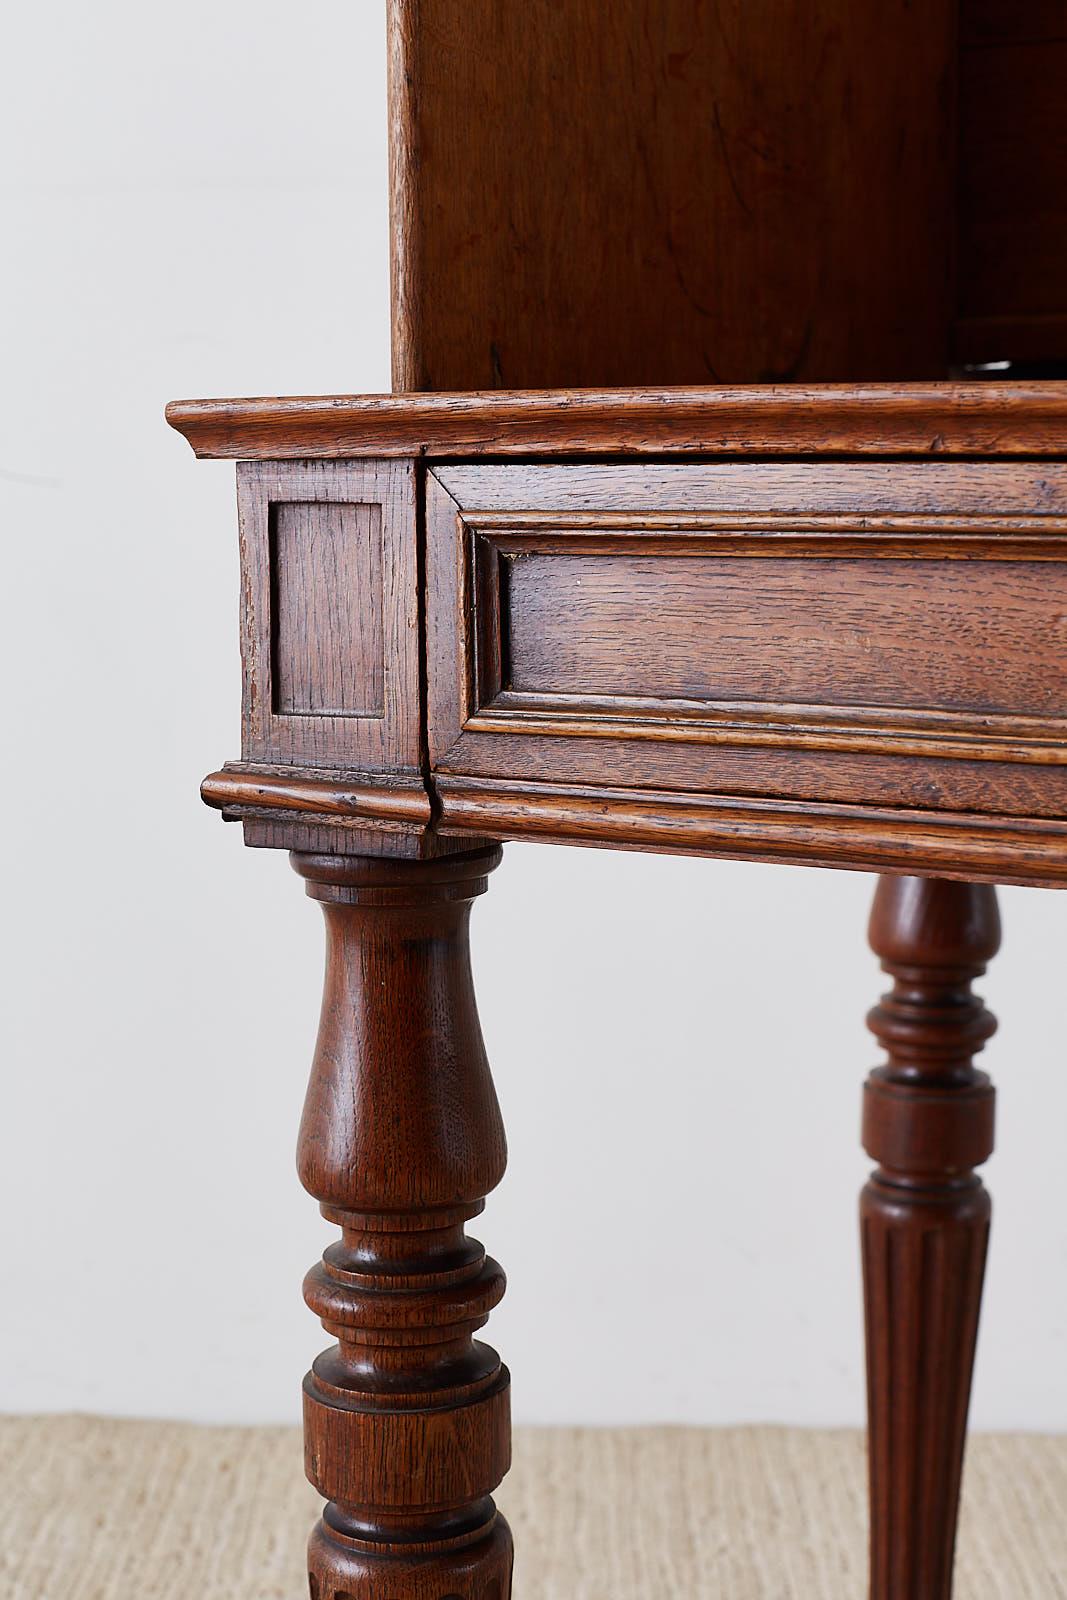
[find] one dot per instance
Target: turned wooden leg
(928, 1122)
(406, 1418)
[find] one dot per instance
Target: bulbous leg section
(406, 1418)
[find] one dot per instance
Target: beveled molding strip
(925, 536)
(241, 789)
(929, 419)
(955, 845)
(875, 731)
(968, 846)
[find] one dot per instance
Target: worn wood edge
(955, 845)
(244, 790)
(341, 827)
(283, 830)
(402, 28)
(875, 419)
(966, 846)
(664, 723)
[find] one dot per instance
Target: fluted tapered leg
(407, 1427)
(928, 1122)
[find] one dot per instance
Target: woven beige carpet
(94, 1509)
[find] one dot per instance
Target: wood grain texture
(1012, 200)
(664, 191)
(982, 636)
(877, 641)
(866, 419)
(327, 833)
(406, 1417)
(328, 652)
(928, 1122)
(772, 766)
(838, 633)
(988, 490)
(239, 789)
(329, 622)
(789, 621)
(893, 838)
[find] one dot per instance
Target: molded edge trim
(238, 789)
(938, 419)
(968, 846)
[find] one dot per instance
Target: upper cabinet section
(750, 191)
(671, 191)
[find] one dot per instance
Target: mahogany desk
(816, 625)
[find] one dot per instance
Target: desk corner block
(332, 728)
(407, 1419)
(928, 1123)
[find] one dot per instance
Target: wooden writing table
(816, 613)
(821, 625)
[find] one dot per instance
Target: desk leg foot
(406, 1417)
(928, 1122)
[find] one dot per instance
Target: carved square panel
(330, 614)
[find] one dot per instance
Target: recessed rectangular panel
(971, 636)
(816, 634)
(329, 615)
(327, 633)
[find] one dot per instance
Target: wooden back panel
(670, 191)
(1012, 252)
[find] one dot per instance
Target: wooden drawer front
(873, 633)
